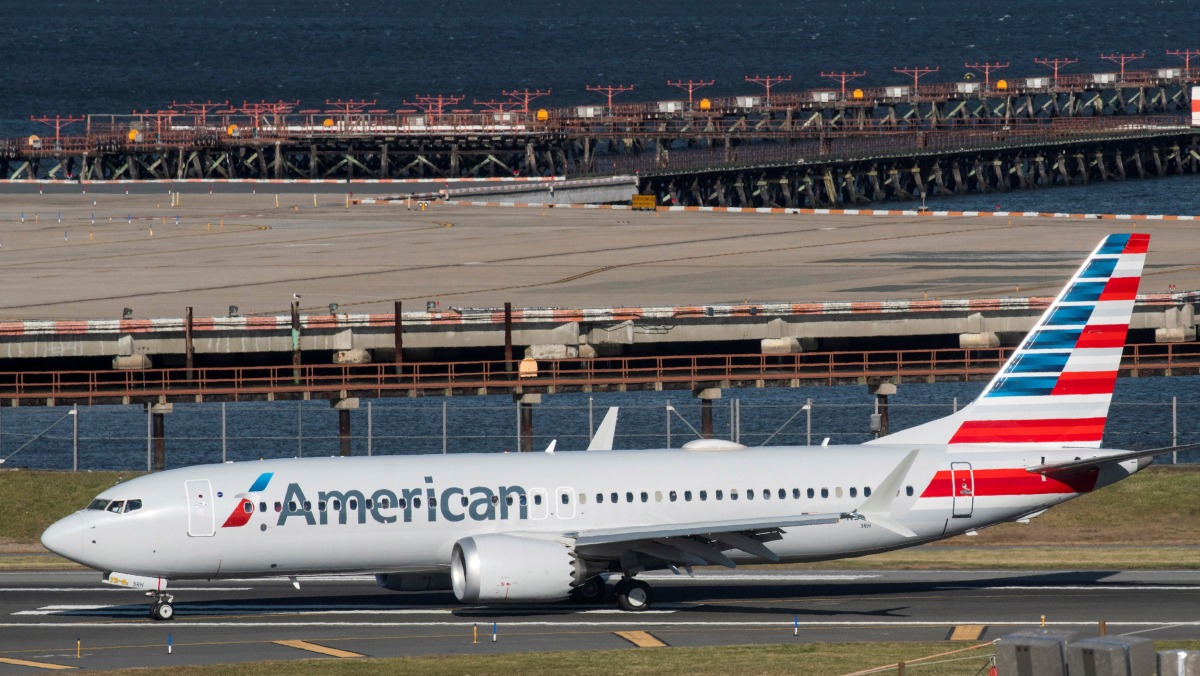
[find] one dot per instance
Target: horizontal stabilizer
(1098, 460)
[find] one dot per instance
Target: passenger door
(201, 516)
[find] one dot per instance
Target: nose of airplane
(65, 537)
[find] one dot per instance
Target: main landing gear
(630, 594)
(161, 609)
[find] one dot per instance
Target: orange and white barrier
(1196, 106)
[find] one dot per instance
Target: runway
(43, 615)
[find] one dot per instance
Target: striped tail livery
(1055, 389)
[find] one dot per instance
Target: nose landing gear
(161, 609)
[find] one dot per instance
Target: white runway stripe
(633, 621)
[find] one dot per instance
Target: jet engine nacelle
(410, 582)
(502, 568)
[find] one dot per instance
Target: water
(70, 57)
(115, 437)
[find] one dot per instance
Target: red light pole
(917, 72)
(58, 122)
(1122, 59)
(986, 68)
(691, 85)
(609, 90)
(1056, 63)
(843, 77)
(768, 81)
(524, 96)
(199, 110)
(434, 105)
(1186, 55)
(348, 108)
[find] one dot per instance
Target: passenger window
(537, 499)
(278, 506)
(867, 491)
(672, 495)
(402, 503)
(353, 503)
(99, 505)
(385, 503)
(582, 499)
(749, 493)
(565, 498)
(766, 494)
(703, 495)
(523, 501)
(337, 504)
(782, 493)
(466, 501)
(320, 505)
(133, 505)
(432, 502)
(720, 496)
(658, 496)
(824, 492)
(370, 504)
(262, 506)
(908, 491)
(645, 497)
(308, 505)
(416, 503)
(733, 494)
(687, 496)
(853, 492)
(838, 491)
(628, 497)
(496, 500)
(615, 498)
(599, 498)
(811, 494)
(292, 505)
(795, 493)
(115, 506)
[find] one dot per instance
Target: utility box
(1034, 652)
(1104, 78)
(895, 92)
(749, 101)
(589, 111)
(417, 121)
(966, 87)
(1179, 662)
(671, 106)
(1111, 656)
(1037, 82)
(1170, 72)
(824, 95)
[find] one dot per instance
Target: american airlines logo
(241, 514)
(477, 503)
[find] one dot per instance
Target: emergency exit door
(962, 482)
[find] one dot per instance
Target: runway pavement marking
(784, 623)
(1146, 587)
(313, 647)
(117, 590)
(207, 608)
(968, 632)
(35, 665)
(641, 639)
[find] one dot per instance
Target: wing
(704, 542)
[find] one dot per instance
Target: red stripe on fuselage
(239, 516)
(1029, 431)
(1121, 288)
(1085, 382)
(1102, 335)
(996, 482)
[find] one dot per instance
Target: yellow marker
(221, 224)
(35, 218)
(210, 226)
(314, 200)
(151, 232)
(475, 634)
(347, 201)
(1043, 620)
(78, 648)
(276, 201)
(89, 235)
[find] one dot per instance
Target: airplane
(536, 527)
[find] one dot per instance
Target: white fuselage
(322, 515)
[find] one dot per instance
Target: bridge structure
(813, 148)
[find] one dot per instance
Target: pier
(814, 148)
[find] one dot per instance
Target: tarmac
(87, 252)
(43, 615)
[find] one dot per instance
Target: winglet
(877, 509)
(550, 448)
(603, 441)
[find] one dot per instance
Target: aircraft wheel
(162, 611)
(593, 590)
(633, 595)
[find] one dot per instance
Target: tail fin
(1055, 389)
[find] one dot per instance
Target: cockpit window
(98, 504)
(115, 506)
(131, 505)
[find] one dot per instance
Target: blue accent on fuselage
(1054, 339)
(1070, 314)
(1039, 363)
(1114, 244)
(1033, 386)
(261, 482)
(1084, 292)
(1099, 267)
